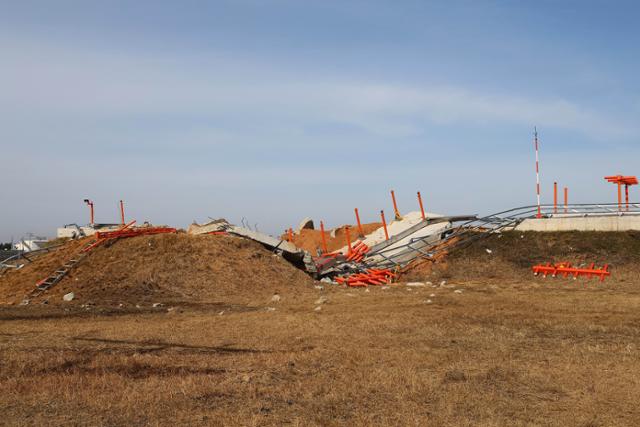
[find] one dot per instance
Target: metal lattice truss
(457, 232)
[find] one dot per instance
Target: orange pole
(384, 224)
(555, 197)
(395, 206)
(90, 204)
(566, 200)
(626, 195)
(291, 235)
(619, 196)
(360, 231)
(121, 212)
(324, 238)
(421, 207)
(346, 230)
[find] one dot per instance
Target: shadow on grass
(154, 346)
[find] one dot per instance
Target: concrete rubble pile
(372, 259)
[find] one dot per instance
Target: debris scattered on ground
(416, 285)
(68, 297)
(321, 300)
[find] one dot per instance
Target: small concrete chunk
(416, 285)
(321, 300)
(69, 297)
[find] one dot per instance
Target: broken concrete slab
(305, 224)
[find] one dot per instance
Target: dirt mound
(509, 256)
(311, 240)
(166, 268)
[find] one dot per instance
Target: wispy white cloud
(44, 80)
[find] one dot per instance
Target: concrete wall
(576, 223)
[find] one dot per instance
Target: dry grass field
(485, 351)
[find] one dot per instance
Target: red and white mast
(535, 138)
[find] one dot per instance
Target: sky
(269, 111)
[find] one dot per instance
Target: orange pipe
(384, 224)
(360, 230)
(619, 196)
(395, 206)
(626, 195)
(324, 238)
(346, 230)
(291, 235)
(566, 200)
(90, 204)
(555, 197)
(121, 212)
(421, 207)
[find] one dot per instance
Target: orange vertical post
(346, 230)
(121, 212)
(555, 197)
(619, 196)
(90, 204)
(626, 195)
(291, 235)
(324, 238)
(395, 206)
(384, 224)
(421, 207)
(566, 200)
(360, 231)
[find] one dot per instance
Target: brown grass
(162, 268)
(501, 353)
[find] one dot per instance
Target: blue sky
(277, 110)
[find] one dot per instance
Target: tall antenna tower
(535, 139)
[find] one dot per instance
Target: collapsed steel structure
(457, 232)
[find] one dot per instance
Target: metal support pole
(384, 224)
(566, 200)
(121, 212)
(626, 195)
(539, 215)
(421, 206)
(555, 197)
(619, 196)
(360, 231)
(324, 238)
(395, 206)
(91, 212)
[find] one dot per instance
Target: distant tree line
(5, 246)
